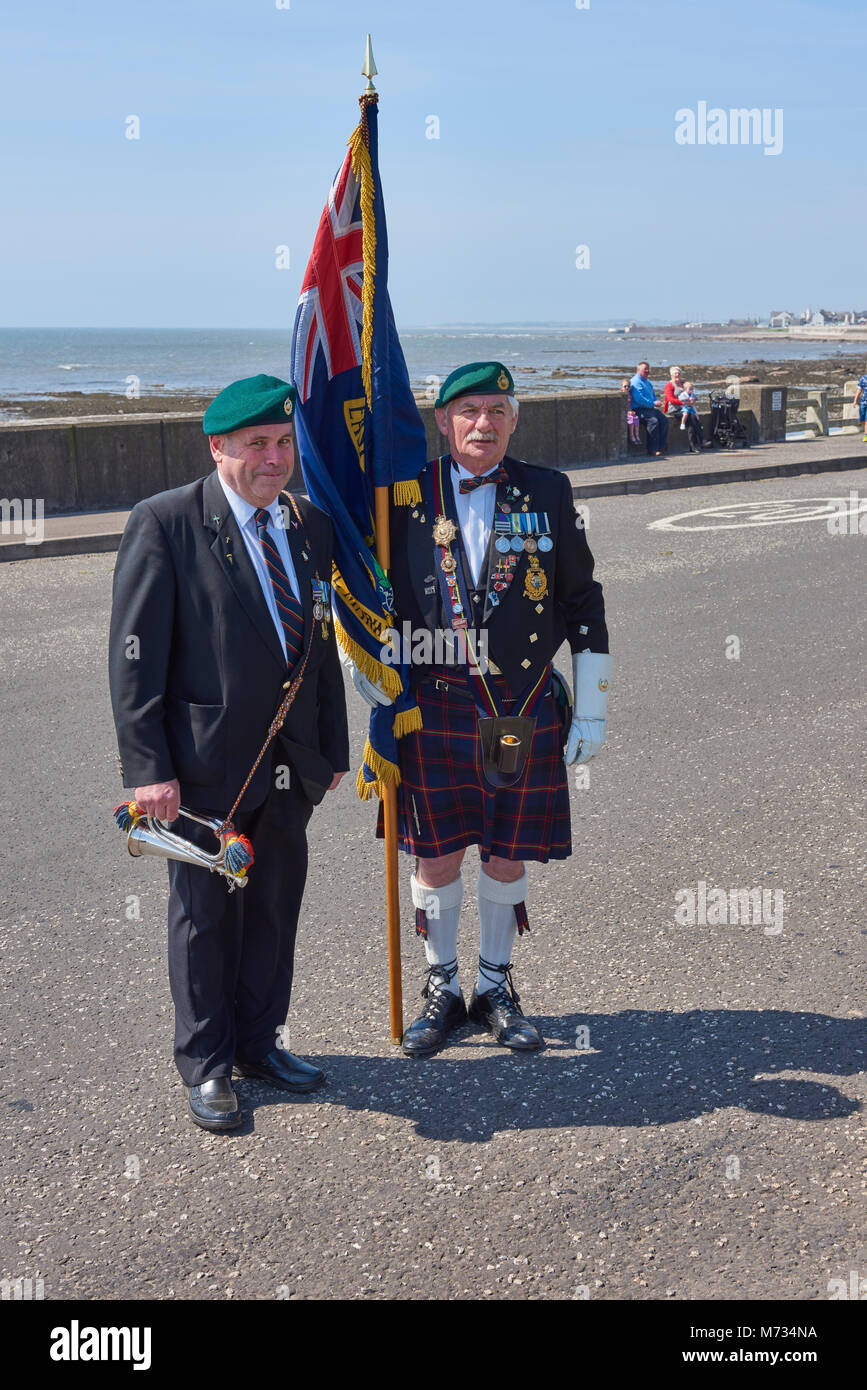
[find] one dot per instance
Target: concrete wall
(109, 463)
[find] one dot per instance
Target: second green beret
(476, 379)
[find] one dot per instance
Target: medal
(449, 564)
(545, 543)
(505, 508)
(503, 544)
(530, 545)
(535, 581)
(444, 531)
(321, 603)
(517, 543)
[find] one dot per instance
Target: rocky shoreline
(831, 372)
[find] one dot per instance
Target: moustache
(482, 438)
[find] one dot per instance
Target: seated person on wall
(675, 405)
(496, 554)
(632, 421)
(223, 587)
(861, 402)
(646, 405)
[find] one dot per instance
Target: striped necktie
(288, 607)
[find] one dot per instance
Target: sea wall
(109, 463)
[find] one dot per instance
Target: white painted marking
(784, 512)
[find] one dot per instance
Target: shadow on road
(642, 1068)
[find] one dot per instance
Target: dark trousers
(231, 955)
(694, 431)
(656, 427)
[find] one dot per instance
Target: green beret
(476, 379)
(256, 400)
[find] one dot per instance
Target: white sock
(498, 925)
(442, 910)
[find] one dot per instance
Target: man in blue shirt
(645, 403)
(861, 402)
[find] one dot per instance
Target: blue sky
(556, 129)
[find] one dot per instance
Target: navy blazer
(194, 695)
(523, 633)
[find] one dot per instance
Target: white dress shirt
(476, 516)
(245, 515)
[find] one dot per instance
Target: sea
(48, 361)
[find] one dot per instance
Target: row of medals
(535, 580)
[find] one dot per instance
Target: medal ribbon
(485, 695)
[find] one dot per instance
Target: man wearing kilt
(495, 558)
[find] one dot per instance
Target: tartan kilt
(444, 802)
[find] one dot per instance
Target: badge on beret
(289, 406)
(503, 381)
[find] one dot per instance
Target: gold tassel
(361, 167)
(407, 494)
(407, 721)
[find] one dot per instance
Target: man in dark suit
(221, 592)
(495, 557)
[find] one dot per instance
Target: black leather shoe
(499, 1010)
(283, 1069)
(442, 1012)
(214, 1105)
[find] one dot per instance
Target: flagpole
(389, 794)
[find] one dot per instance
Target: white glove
(591, 673)
(370, 691)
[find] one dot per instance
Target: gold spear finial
(369, 69)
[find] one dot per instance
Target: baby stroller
(726, 429)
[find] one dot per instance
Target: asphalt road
(702, 1139)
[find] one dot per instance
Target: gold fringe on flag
(375, 624)
(386, 774)
(375, 670)
(363, 171)
(407, 721)
(407, 494)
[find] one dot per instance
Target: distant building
(781, 318)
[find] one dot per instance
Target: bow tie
(499, 475)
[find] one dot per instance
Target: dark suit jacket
(196, 701)
(523, 634)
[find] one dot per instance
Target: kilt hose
(444, 802)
